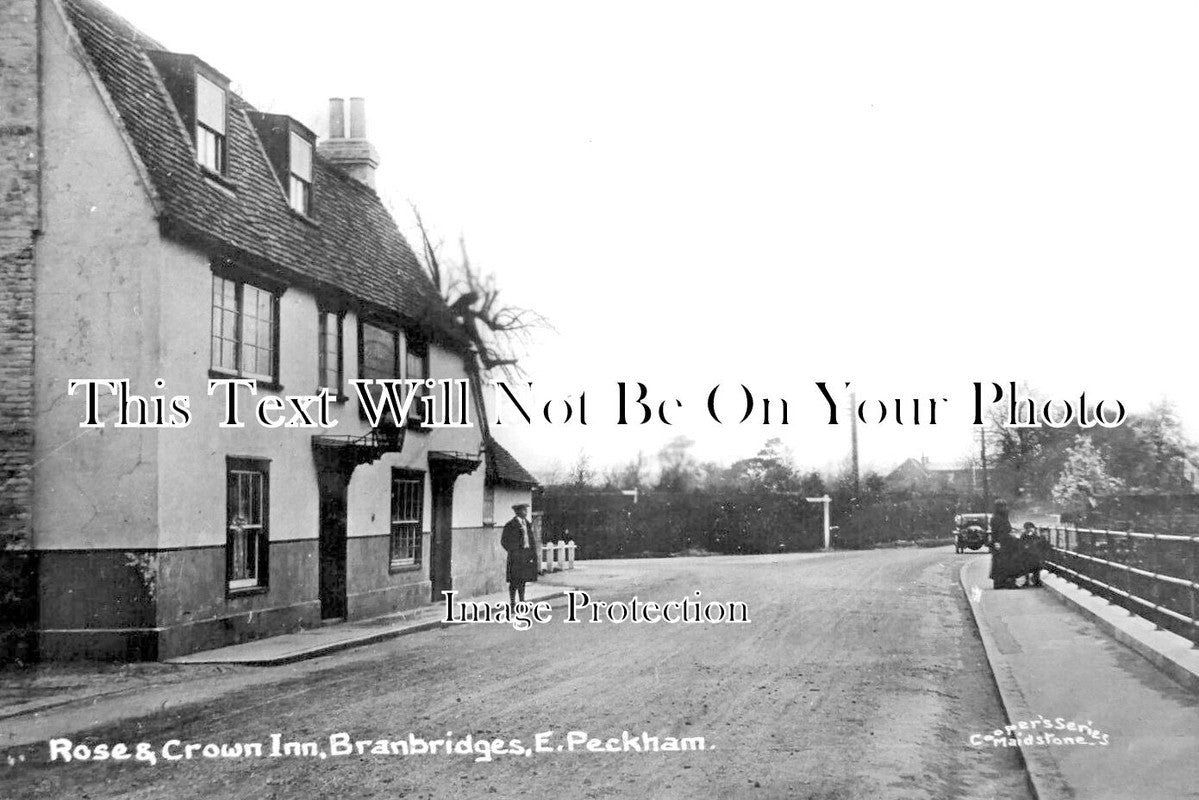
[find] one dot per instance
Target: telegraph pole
(853, 437)
(982, 437)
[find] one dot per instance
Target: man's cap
(518, 506)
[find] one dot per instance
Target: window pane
(207, 149)
(247, 527)
(378, 353)
(407, 497)
(298, 195)
(301, 157)
(210, 104)
(416, 366)
(328, 348)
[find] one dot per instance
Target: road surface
(859, 675)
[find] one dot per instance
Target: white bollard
(570, 554)
(560, 555)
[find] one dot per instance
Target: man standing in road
(517, 540)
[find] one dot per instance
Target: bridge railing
(1153, 575)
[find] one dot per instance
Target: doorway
(441, 543)
(333, 483)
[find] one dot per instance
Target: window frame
(220, 138)
(238, 370)
(295, 180)
(403, 341)
(337, 392)
(412, 526)
(260, 583)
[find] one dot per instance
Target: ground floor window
(407, 514)
(247, 514)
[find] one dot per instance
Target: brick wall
(19, 203)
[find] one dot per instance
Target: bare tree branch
(498, 332)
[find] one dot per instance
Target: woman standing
(1004, 549)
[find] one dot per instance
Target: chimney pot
(354, 154)
(357, 118)
(337, 118)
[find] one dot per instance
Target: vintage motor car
(971, 531)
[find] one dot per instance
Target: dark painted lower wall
(18, 606)
(374, 587)
(479, 561)
(149, 605)
(146, 604)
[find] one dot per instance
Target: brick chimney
(353, 153)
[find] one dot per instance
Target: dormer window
(300, 182)
(210, 124)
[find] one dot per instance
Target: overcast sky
(911, 197)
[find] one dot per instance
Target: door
(333, 483)
(441, 547)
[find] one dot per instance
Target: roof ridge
(351, 243)
(144, 40)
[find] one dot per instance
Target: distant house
(156, 227)
(923, 475)
(506, 483)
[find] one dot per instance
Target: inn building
(157, 228)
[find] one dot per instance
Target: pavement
(52, 699)
(1060, 655)
(310, 643)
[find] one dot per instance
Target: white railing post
(570, 554)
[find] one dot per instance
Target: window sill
(268, 385)
(220, 180)
(395, 569)
(245, 591)
(300, 215)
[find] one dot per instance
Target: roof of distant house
(503, 468)
(350, 245)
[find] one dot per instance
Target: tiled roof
(502, 467)
(354, 246)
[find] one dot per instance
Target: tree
(873, 485)
(1148, 452)
(552, 475)
(812, 485)
(1084, 477)
(627, 476)
(1023, 462)
(1164, 445)
(581, 474)
(677, 467)
(770, 470)
(496, 331)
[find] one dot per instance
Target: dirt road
(858, 676)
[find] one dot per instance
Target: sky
(909, 197)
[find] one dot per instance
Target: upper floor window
(300, 182)
(210, 124)
(329, 353)
(388, 354)
(245, 329)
